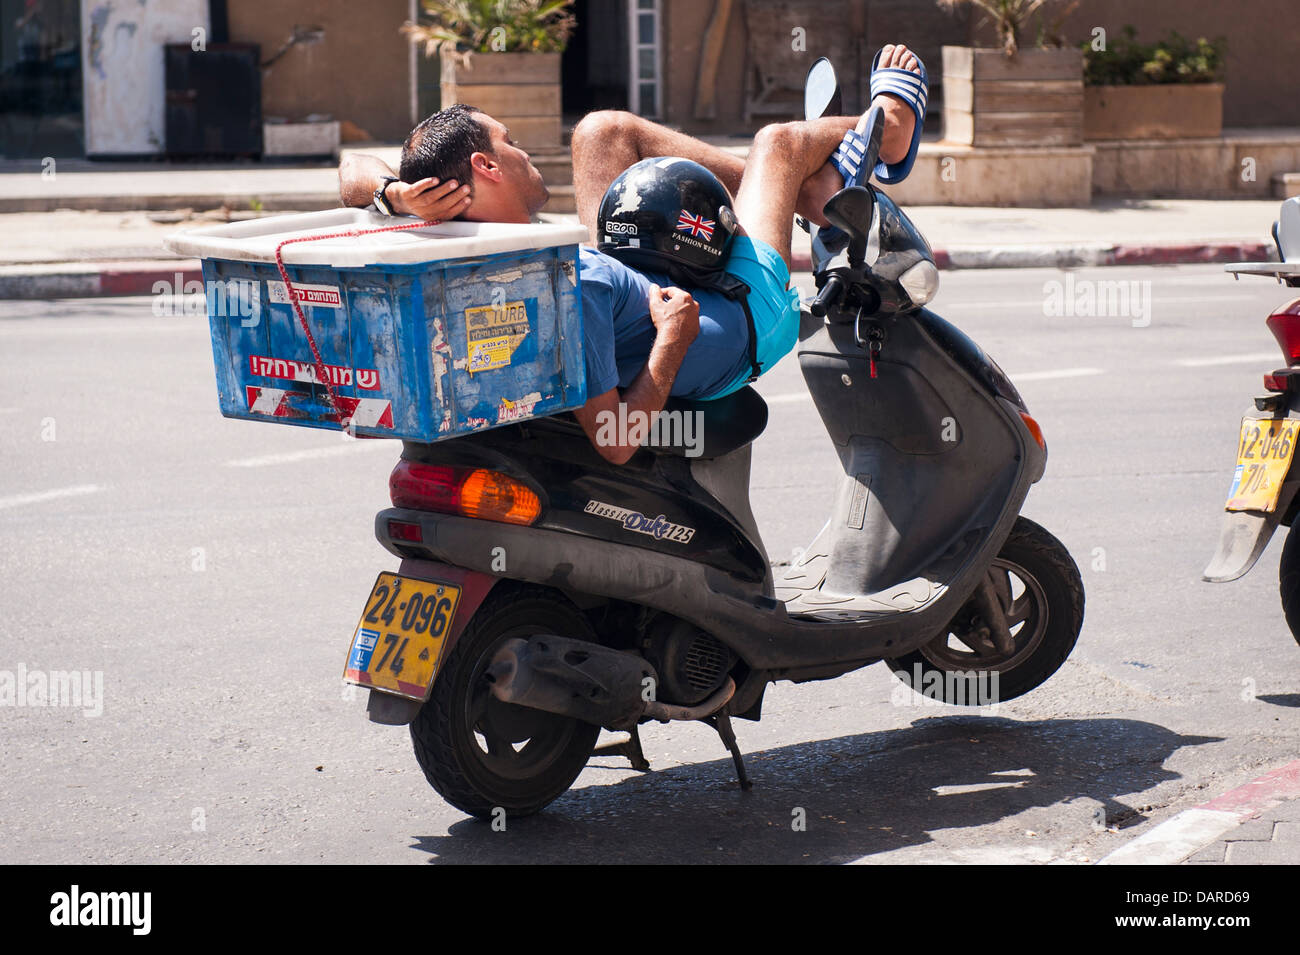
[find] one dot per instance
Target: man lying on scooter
(659, 203)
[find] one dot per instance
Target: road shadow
(860, 795)
(1280, 699)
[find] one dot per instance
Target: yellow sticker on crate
(492, 333)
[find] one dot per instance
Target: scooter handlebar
(829, 296)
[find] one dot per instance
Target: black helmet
(667, 214)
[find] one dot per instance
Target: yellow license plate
(1263, 459)
(398, 644)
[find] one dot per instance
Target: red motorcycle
(1266, 479)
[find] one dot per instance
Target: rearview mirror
(1287, 234)
(850, 211)
(821, 91)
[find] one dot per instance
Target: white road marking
(932, 854)
(17, 500)
(975, 787)
(1058, 373)
(788, 399)
(1231, 359)
(1174, 839)
(312, 454)
(1036, 301)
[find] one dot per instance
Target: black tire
(1288, 581)
(1045, 616)
(465, 738)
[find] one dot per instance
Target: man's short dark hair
(443, 144)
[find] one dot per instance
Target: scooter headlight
(920, 282)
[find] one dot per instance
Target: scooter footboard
(932, 462)
(899, 517)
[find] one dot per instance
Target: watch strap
(382, 202)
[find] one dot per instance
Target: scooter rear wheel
(1288, 581)
(481, 754)
(1040, 592)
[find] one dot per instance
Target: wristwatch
(382, 202)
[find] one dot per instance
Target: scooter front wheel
(1034, 587)
(483, 755)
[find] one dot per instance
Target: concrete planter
(301, 139)
(1032, 99)
(1164, 111)
(521, 90)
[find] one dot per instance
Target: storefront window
(40, 79)
(643, 84)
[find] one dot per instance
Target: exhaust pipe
(572, 678)
(663, 712)
(587, 682)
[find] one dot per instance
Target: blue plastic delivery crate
(423, 334)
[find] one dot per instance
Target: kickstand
(721, 722)
(630, 747)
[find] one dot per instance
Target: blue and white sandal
(912, 89)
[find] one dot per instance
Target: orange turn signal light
(493, 496)
(1034, 429)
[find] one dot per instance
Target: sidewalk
(1257, 823)
(85, 230)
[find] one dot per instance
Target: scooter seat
(698, 429)
(710, 429)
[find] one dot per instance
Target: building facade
(86, 77)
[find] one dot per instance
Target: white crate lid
(255, 240)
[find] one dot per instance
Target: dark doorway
(594, 68)
(40, 79)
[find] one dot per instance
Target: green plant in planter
(1011, 18)
(1175, 59)
(461, 27)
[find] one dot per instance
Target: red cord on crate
(321, 374)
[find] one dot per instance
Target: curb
(138, 278)
(1088, 256)
(1193, 829)
(278, 201)
(92, 281)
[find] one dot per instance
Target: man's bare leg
(784, 156)
(787, 170)
(609, 141)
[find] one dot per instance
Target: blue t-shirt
(618, 333)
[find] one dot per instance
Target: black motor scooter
(545, 593)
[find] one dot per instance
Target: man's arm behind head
(428, 199)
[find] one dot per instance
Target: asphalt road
(212, 571)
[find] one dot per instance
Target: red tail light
(470, 492)
(406, 531)
(1285, 326)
